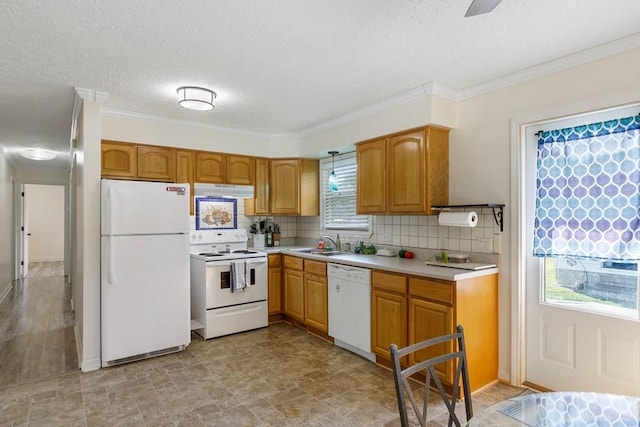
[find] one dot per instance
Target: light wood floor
(36, 328)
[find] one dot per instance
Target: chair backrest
(461, 373)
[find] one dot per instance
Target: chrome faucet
(336, 245)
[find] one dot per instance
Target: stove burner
(209, 254)
(244, 251)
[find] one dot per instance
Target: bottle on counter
(269, 238)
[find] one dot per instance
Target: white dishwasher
(350, 308)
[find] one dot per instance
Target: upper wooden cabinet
(185, 165)
(259, 205)
(132, 161)
(240, 170)
(156, 163)
(118, 160)
(404, 173)
(210, 167)
(294, 187)
(220, 168)
(372, 177)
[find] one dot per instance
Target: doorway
(43, 248)
(573, 339)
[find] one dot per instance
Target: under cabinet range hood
(224, 190)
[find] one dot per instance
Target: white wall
(85, 268)
(6, 233)
(45, 209)
(178, 134)
(480, 147)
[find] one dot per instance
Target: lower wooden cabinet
(293, 292)
(305, 294)
(407, 309)
(316, 297)
(274, 299)
(388, 322)
(430, 320)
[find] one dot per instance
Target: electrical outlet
(387, 238)
(497, 243)
(485, 244)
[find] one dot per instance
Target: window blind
(339, 207)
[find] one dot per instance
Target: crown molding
(553, 66)
(402, 98)
(91, 94)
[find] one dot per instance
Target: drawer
(293, 263)
(275, 260)
(315, 267)
(389, 282)
(431, 289)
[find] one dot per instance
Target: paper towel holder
(495, 207)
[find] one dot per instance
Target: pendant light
(333, 179)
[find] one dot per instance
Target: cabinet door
(275, 284)
(316, 309)
(284, 189)
(156, 163)
(371, 194)
(240, 170)
(437, 174)
(430, 320)
(388, 322)
(406, 160)
(259, 205)
(210, 167)
(294, 294)
(185, 162)
(118, 160)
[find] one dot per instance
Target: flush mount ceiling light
(37, 154)
(333, 179)
(196, 98)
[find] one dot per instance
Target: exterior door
(572, 344)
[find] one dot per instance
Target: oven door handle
(249, 261)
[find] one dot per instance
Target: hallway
(36, 327)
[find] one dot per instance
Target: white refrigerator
(144, 269)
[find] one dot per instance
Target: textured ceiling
(278, 66)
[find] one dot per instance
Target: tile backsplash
(409, 231)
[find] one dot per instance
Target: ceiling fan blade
(478, 7)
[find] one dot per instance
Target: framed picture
(214, 213)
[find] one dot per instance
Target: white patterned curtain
(588, 191)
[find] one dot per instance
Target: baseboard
(91, 365)
(6, 291)
(85, 365)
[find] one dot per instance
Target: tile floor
(276, 376)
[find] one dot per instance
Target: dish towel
(238, 275)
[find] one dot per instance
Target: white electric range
(216, 310)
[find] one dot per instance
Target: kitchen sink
(324, 252)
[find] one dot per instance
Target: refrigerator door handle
(110, 202)
(110, 274)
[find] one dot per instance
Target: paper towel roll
(458, 219)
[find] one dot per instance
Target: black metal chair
(461, 373)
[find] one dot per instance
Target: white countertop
(395, 264)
